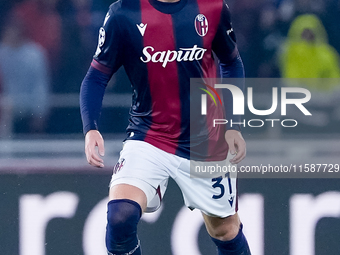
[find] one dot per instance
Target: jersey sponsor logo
(201, 25)
(165, 57)
(142, 28)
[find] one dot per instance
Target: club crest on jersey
(119, 165)
(201, 25)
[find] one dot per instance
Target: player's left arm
(231, 66)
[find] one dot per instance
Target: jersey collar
(168, 8)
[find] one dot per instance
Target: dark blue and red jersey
(161, 46)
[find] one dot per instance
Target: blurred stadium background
(52, 202)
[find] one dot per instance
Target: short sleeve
(109, 53)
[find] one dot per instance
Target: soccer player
(162, 44)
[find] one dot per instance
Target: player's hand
(93, 140)
(237, 145)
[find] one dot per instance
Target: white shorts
(148, 168)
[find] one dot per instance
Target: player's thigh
(127, 191)
(139, 175)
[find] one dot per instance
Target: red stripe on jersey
(163, 81)
(104, 69)
(217, 148)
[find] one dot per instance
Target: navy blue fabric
(237, 246)
(168, 7)
(224, 43)
(233, 69)
(91, 95)
(121, 231)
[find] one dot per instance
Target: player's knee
(225, 234)
(235, 245)
(122, 218)
(123, 215)
(226, 230)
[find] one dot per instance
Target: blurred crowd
(264, 31)
(46, 47)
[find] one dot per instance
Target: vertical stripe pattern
(164, 86)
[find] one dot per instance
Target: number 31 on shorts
(217, 184)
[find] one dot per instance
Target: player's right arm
(91, 97)
(107, 60)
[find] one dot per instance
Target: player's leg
(126, 191)
(215, 195)
(124, 211)
(227, 234)
(224, 229)
(134, 189)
